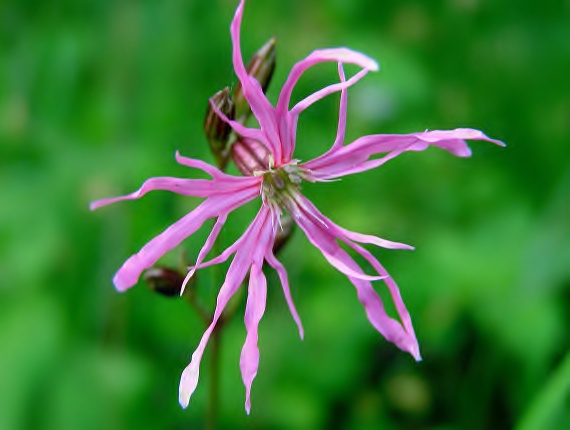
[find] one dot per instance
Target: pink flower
(277, 184)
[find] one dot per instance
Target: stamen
(281, 185)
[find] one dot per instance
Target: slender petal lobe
(353, 158)
(255, 307)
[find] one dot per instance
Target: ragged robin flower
(274, 178)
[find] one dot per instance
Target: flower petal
(206, 248)
(337, 55)
(325, 242)
(253, 246)
(255, 307)
(338, 231)
(280, 269)
(256, 225)
(322, 93)
(213, 171)
(374, 240)
(128, 274)
(222, 183)
(252, 91)
(388, 327)
(242, 130)
(391, 329)
(325, 233)
(289, 123)
(341, 128)
(188, 187)
(404, 339)
(235, 276)
(447, 138)
(353, 155)
(354, 158)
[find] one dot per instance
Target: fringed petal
(342, 110)
(253, 246)
(325, 242)
(130, 271)
(354, 158)
(288, 120)
(235, 276)
(280, 269)
(242, 130)
(187, 187)
(338, 231)
(201, 165)
(388, 327)
(407, 342)
(255, 307)
(322, 93)
(337, 55)
(324, 234)
(252, 91)
(255, 226)
(206, 248)
(221, 183)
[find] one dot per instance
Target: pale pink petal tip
(472, 134)
(347, 55)
(248, 404)
(404, 340)
(367, 62)
(125, 278)
(414, 349)
(454, 140)
(100, 203)
(374, 66)
(188, 383)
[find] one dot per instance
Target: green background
(96, 96)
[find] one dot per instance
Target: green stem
(215, 340)
(214, 394)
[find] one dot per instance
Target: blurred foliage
(96, 96)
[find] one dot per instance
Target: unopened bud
(284, 232)
(261, 67)
(217, 130)
(164, 281)
(250, 156)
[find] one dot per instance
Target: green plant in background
(96, 95)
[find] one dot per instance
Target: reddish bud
(217, 130)
(164, 281)
(250, 156)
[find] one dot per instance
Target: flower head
(273, 176)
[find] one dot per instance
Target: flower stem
(214, 394)
(215, 340)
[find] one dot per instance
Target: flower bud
(218, 131)
(261, 67)
(250, 156)
(164, 281)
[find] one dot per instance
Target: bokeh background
(96, 96)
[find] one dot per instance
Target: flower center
(280, 185)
